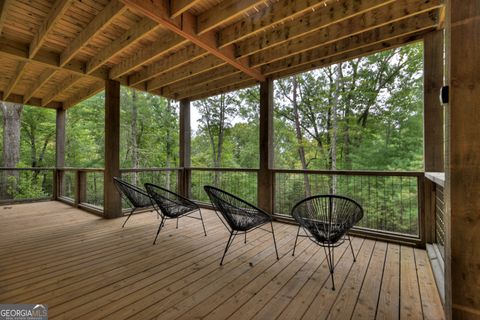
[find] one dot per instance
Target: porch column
(111, 198)
(184, 148)
(433, 126)
(59, 151)
(463, 160)
(265, 174)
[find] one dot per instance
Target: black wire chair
(137, 197)
(238, 215)
(170, 205)
(326, 220)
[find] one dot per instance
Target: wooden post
(184, 182)
(463, 160)
(265, 174)
(59, 152)
(433, 125)
(112, 202)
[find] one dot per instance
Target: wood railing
(393, 201)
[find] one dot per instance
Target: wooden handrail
(353, 172)
(222, 169)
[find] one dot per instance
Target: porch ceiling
(56, 53)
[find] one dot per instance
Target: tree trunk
(168, 146)
(333, 139)
(11, 145)
(134, 138)
(298, 133)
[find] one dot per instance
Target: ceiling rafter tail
(104, 18)
(412, 25)
(19, 71)
(83, 94)
(44, 77)
(185, 26)
(65, 85)
(128, 38)
(58, 9)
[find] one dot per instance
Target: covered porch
(54, 54)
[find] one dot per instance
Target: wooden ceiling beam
(84, 94)
(382, 35)
(128, 38)
(148, 54)
(112, 10)
(356, 25)
(266, 18)
(345, 56)
(183, 56)
(321, 18)
(36, 102)
(19, 71)
(199, 80)
(58, 9)
(223, 88)
(177, 7)
(4, 6)
(223, 13)
(64, 85)
(185, 26)
(44, 77)
(19, 51)
(184, 72)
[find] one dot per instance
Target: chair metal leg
(245, 238)
(229, 243)
(329, 252)
(203, 224)
(159, 228)
(351, 247)
(274, 241)
(296, 238)
(177, 223)
(131, 212)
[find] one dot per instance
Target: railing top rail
(81, 169)
(353, 172)
(222, 169)
(149, 169)
(26, 169)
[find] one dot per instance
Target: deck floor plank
(85, 267)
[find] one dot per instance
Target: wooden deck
(85, 267)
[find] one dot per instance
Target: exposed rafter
(177, 7)
(15, 98)
(224, 12)
(269, 16)
(186, 28)
(168, 43)
(58, 9)
(44, 77)
(67, 83)
(16, 78)
(4, 6)
(130, 37)
(356, 25)
(185, 55)
(110, 12)
(84, 94)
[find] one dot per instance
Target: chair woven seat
(171, 205)
(237, 215)
(326, 220)
(137, 197)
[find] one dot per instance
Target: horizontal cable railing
(26, 184)
(239, 181)
(391, 200)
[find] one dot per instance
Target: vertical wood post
(433, 125)
(184, 181)
(265, 174)
(59, 152)
(112, 202)
(463, 160)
